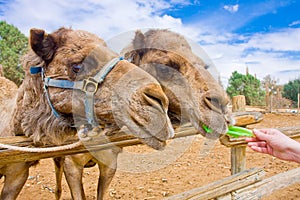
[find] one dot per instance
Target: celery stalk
(207, 129)
(235, 131)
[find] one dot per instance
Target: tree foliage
(246, 85)
(13, 44)
(291, 90)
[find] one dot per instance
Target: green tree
(13, 44)
(246, 85)
(291, 90)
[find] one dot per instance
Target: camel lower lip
(154, 138)
(154, 142)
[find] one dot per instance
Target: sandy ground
(154, 177)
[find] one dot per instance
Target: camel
(8, 90)
(193, 93)
(48, 110)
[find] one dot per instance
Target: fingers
(258, 144)
(259, 149)
(261, 134)
(252, 139)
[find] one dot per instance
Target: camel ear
(42, 44)
(139, 40)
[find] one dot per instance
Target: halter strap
(89, 86)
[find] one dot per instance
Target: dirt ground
(154, 177)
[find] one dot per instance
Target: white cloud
(105, 18)
(294, 23)
(262, 53)
(283, 40)
(232, 8)
(181, 2)
(109, 18)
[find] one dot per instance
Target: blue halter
(89, 86)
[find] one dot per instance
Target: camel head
(194, 95)
(122, 96)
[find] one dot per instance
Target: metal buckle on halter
(90, 85)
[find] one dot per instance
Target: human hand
(275, 143)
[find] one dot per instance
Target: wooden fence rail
(246, 185)
(104, 142)
(267, 186)
(121, 140)
(100, 143)
(223, 186)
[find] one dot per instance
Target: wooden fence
(99, 143)
(246, 185)
(243, 184)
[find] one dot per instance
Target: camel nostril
(229, 119)
(154, 101)
(214, 104)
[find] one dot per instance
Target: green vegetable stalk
(235, 131)
(207, 129)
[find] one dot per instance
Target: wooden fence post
(238, 159)
(238, 154)
(238, 103)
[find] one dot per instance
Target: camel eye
(77, 68)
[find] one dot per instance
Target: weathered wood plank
(8, 156)
(247, 118)
(238, 103)
(238, 159)
(223, 186)
(238, 154)
(224, 197)
(268, 185)
(102, 142)
(11, 156)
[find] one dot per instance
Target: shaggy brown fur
(143, 104)
(193, 93)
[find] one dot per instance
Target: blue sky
(263, 35)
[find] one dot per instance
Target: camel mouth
(213, 133)
(209, 130)
(154, 142)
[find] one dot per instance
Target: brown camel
(193, 93)
(44, 111)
